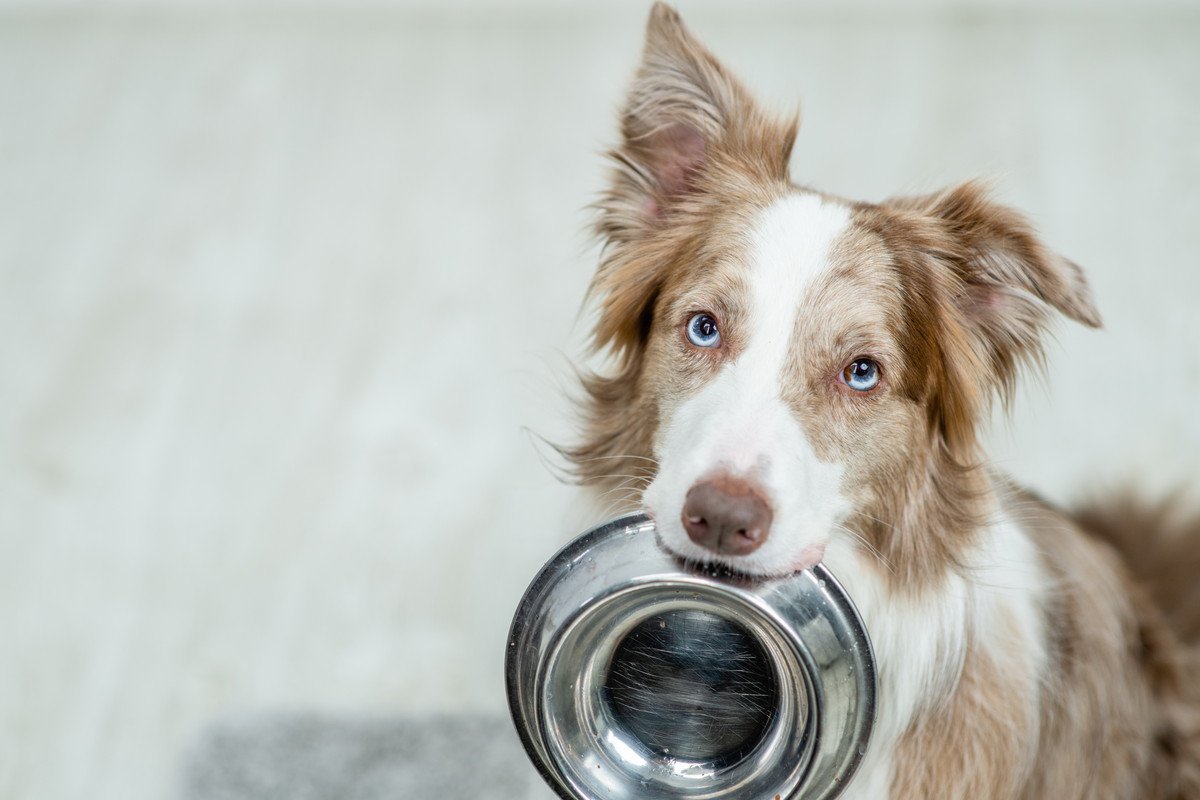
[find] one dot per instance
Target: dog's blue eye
(861, 375)
(702, 330)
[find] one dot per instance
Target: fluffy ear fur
(685, 124)
(1002, 283)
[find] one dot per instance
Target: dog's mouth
(708, 568)
(728, 568)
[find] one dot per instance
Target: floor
(289, 297)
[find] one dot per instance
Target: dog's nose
(727, 515)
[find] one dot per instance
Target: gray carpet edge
(308, 755)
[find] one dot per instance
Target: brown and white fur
(1019, 655)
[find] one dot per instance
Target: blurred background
(282, 285)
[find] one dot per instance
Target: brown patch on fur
(1160, 543)
(925, 493)
(973, 283)
(986, 306)
(923, 521)
(979, 742)
(936, 333)
(1120, 702)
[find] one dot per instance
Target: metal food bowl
(632, 675)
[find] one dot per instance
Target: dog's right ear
(686, 122)
(683, 109)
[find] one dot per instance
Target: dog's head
(790, 367)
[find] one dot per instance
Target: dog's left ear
(999, 257)
(1003, 282)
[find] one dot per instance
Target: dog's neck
(919, 527)
(923, 621)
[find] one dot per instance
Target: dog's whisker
(626, 490)
(886, 524)
(620, 504)
(609, 475)
(628, 456)
(870, 548)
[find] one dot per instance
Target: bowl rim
(525, 702)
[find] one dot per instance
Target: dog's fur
(1022, 653)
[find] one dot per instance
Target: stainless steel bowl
(632, 675)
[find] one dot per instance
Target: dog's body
(799, 377)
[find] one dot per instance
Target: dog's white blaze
(739, 422)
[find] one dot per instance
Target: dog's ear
(683, 111)
(1002, 284)
(686, 123)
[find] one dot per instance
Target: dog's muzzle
(631, 676)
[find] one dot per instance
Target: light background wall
(281, 284)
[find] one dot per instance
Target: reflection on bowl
(630, 675)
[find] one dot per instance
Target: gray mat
(315, 757)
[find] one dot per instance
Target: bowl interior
(677, 690)
(694, 685)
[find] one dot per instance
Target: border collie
(796, 377)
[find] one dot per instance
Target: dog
(794, 377)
